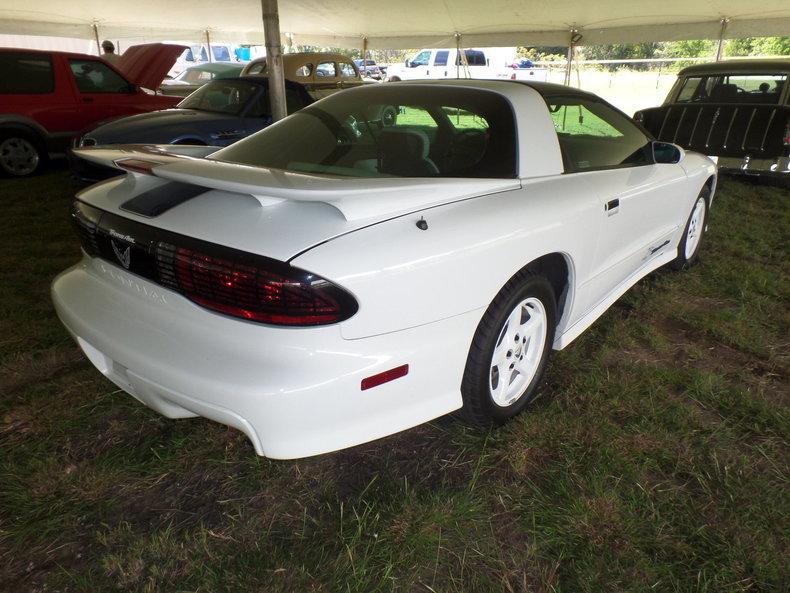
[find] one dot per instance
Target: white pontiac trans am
(383, 257)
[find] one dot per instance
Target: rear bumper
(293, 392)
(775, 167)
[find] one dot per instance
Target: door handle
(612, 206)
(87, 99)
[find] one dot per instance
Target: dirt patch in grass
(30, 368)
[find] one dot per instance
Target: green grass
(655, 460)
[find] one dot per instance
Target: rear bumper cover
(776, 167)
(293, 392)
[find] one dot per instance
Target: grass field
(656, 458)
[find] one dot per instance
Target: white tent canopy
(402, 24)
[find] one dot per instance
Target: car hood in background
(147, 65)
(143, 125)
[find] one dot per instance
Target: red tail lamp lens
(267, 292)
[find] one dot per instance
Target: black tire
(479, 406)
(16, 138)
(684, 260)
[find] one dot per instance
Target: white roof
(412, 24)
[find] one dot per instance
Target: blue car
(217, 114)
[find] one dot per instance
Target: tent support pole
(457, 55)
(722, 31)
(574, 39)
(96, 36)
(364, 53)
(208, 46)
(274, 58)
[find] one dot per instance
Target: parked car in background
(46, 97)
(194, 77)
(198, 54)
(437, 64)
(218, 113)
(368, 68)
(736, 110)
(332, 280)
(321, 73)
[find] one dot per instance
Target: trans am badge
(124, 255)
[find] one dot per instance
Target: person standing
(109, 52)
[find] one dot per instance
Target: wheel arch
(35, 132)
(557, 267)
(711, 182)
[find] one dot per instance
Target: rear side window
(303, 71)
(25, 74)
(262, 106)
(473, 58)
(326, 69)
(690, 90)
(93, 76)
(593, 135)
(347, 70)
(441, 58)
(260, 67)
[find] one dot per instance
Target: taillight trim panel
(101, 232)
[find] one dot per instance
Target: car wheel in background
(510, 350)
(20, 154)
(690, 243)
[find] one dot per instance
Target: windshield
(221, 96)
(390, 131)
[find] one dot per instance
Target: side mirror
(408, 63)
(667, 153)
(132, 89)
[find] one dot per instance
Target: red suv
(47, 97)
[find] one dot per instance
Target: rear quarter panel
(404, 277)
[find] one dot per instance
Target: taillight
(513, 76)
(260, 290)
(226, 280)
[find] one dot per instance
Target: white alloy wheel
(518, 352)
(695, 228)
(18, 156)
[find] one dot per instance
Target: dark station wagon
(736, 110)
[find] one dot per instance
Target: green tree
(620, 51)
(758, 46)
(693, 48)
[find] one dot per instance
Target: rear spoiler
(355, 198)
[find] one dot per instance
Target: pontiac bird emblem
(124, 255)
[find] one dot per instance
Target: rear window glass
(381, 131)
(221, 96)
(25, 73)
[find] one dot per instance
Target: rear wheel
(510, 350)
(690, 244)
(20, 154)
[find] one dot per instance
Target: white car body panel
(421, 292)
